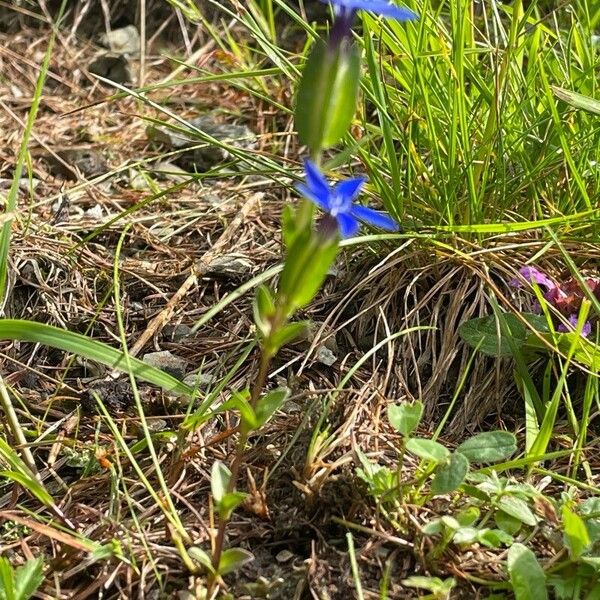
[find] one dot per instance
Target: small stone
(208, 155)
(154, 426)
(198, 380)
(86, 160)
(25, 184)
(325, 356)
(138, 180)
(284, 556)
(177, 333)
(167, 362)
(115, 68)
(170, 171)
(95, 213)
(125, 40)
(230, 264)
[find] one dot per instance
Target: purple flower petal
(348, 225)
(305, 191)
(374, 217)
(532, 274)
(379, 7)
(349, 188)
(317, 183)
(573, 322)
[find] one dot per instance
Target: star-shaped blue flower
(338, 202)
(379, 7)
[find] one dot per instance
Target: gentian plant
(325, 106)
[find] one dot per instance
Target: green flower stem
(259, 383)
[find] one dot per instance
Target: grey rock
(199, 380)
(167, 362)
(116, 68)
(208, 155)
(87, 160)
(176, 333)
(230, 264)
(125, 40)
(325, 356)
(284, 556)
(25, 185)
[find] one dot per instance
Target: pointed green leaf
(263, 309)
(7, 584)
(405, 418)
(28, 578)
(233, 559)
(229, 502)
(201, 557)
(48, 335)
(285, 335)
(577, 100)
(219, 480)
(327, 95)
(269, 403)
(576, 534)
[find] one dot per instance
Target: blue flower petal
(379, 7)
(317, 183)
(349, 188)
(348, 225)
(374, 217)
(305, 191)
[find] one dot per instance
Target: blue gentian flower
(378, 7)
(338, 202)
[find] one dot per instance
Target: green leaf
(590, 511)
(507, 522)
(576, 534)
(285, 335)
(577, 100)
(28, 578)
(428, 449)
(7, 584)
(517, 508)
(527, 577)
(494, 538)
(440, 588)
(327, 95)
(229, 502)
(466, 535)
(405, 418)
(484, 333)
(305, 268)
(239, 401)
(233, 559)
(20, 472)
(263, 308)
(449, 476)
(490, 446)
(288, 225)
(269, 403)
(219, 480)
(48, 335)
(468, 516)
(202, 557)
